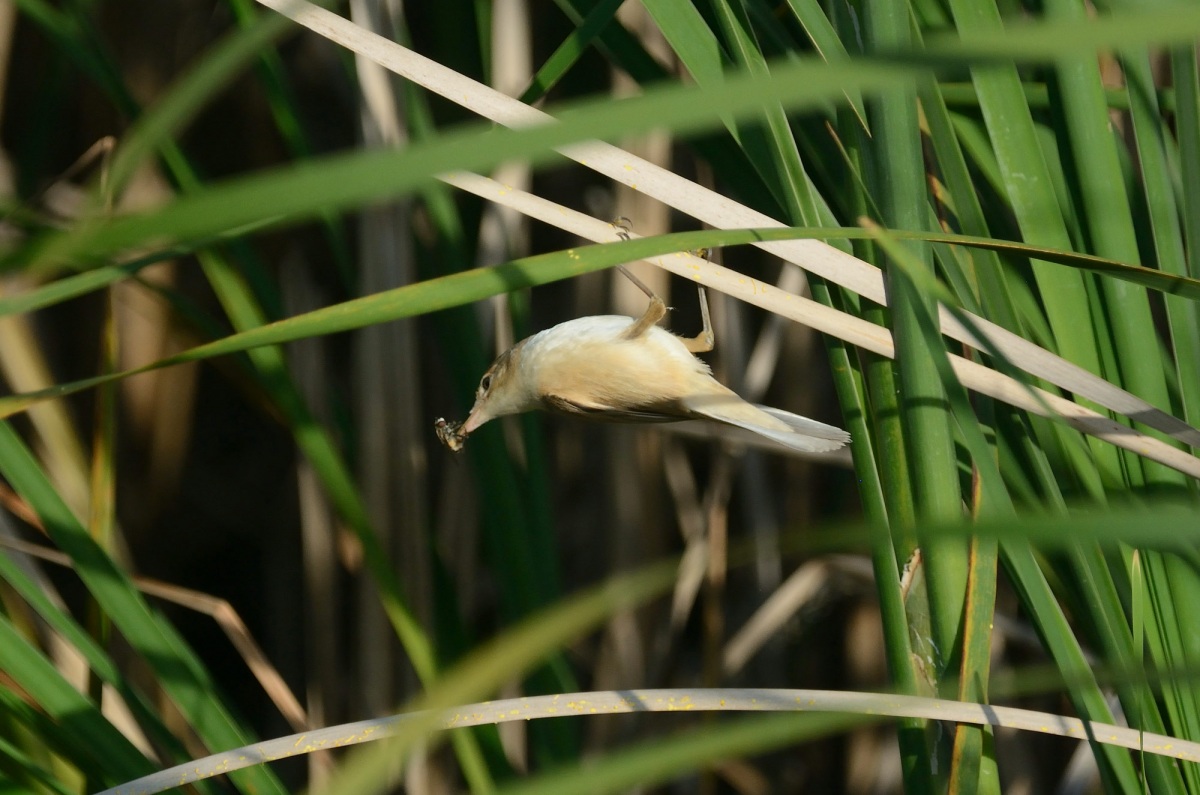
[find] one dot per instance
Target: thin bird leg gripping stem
(657, 310)
(702, 342)
(705, 340)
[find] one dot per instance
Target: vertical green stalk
(1140, 362)
(973, 765)
(1151, 135)
(899, 178)
(1170, 651)
(851, 388)
(1185, 316)
(1187, 98)
(1030, 191)
(1108, 219)
(898, 187)
(1059, 638)
(1115, 638)
(781, 165)
(868, 397)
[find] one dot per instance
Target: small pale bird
(612, 367)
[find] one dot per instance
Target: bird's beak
(477, 417)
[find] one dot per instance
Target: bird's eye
(486, 383)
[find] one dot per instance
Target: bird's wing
(790, 430)
(606, 413)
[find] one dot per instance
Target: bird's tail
(790, 430)
(825, 437)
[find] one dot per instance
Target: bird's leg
(705, 340)
(641, 285)
(655, 312)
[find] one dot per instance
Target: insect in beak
(449, 434)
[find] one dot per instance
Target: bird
(625, 369)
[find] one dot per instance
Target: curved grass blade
(509, 657)
(1167, 283)
(854, 708)
(1042, 42)
(344, 181)
(449, 291)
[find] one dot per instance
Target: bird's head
(504, 389)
